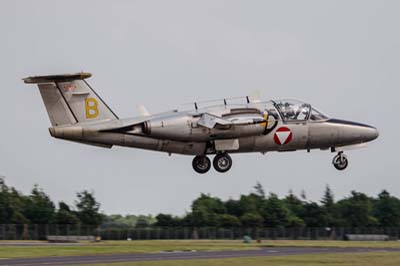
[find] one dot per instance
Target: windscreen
(317, 115)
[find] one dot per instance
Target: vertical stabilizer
(69, 99)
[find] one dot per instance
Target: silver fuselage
(183, 132)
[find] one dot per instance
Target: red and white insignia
(69, 87)
(283, 136)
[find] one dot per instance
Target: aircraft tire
(201, 164)
(222, 162)
(340, 162)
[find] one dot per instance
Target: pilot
(288, 111)
(303, 110)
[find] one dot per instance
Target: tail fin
(69, 99)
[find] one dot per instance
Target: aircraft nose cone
(366, 133)
(370, 133)
(354, 132)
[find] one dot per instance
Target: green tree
(328, 200)
(252, 220)
(64, 215)
(387, 210)
(329, 207)
(295, 221)
(129, 220)
(251, 203)
(11, 205)
(356, 210)
(303, 195)
(88, 209)
(206, 210)
(17, 204)
(227, 220)
(314, 215)
(296, 209)
(259, 190)
(5, 208)
(142, 222)
(167, 220)
(294, 204)
(188, 220)
(274, 212)
(233, 207)
(38, 208)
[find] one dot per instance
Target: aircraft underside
(201, 151)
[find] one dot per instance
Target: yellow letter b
(91, 105)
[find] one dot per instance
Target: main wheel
(222, 162)
(340, 162)
(201, 164)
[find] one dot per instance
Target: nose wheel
(201, 164)
(340, 161)
(222, 162)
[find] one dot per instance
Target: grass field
(368, 259)
(118, 247)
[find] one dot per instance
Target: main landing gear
(340, 161)
(222, 163)
(201, 164)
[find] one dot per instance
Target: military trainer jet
(77, 113)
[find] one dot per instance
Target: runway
(36, 244)
(97, 259)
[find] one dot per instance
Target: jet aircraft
(77, 113)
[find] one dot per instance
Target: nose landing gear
(340, 161)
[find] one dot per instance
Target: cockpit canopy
(294, 110)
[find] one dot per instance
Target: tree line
(260, 210)
(38, 208)
(256, 209)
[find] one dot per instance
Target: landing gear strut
(340, 161)
(222, 162)
(201, 164)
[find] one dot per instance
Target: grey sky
(341, 56)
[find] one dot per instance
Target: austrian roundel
(283, 136)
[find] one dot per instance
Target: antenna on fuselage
(255, 96)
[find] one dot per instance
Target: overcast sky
(341, 56)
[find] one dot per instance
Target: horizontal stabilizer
(56, 78)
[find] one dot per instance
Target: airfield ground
(335, 253)
(370, 259)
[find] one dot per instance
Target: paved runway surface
(36, 244)
(273, 251)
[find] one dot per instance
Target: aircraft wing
(211, 121)
(111, 125)
(206, 120)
